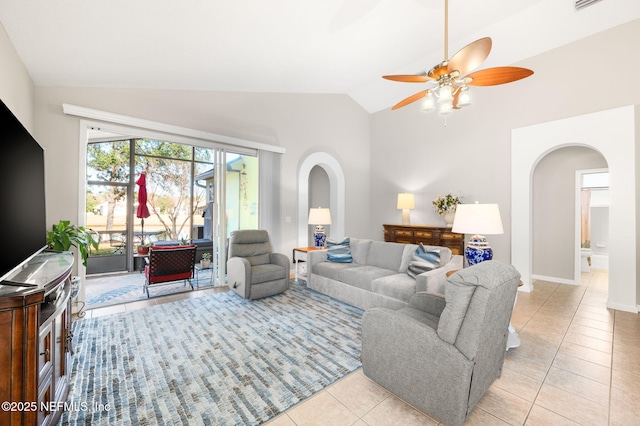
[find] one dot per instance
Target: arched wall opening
(336, 195)
(613, 134)
(556, 212)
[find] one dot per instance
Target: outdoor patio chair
(167, 264)
(118, 242)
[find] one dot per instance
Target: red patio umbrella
(143, 210)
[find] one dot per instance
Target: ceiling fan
(451, 78)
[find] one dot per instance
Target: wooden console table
(428, 235)
(35, 340)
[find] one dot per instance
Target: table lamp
(406, 202)
(319, 217)
(477, 220)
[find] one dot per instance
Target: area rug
(115, 289)
(217, 359)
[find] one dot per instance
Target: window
(182, 191)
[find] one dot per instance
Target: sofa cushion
(407, 255)
(252, 244)
(330, 269)
(421, 316)
(386, 255)
(359, 250)
(362, 276)
(396, 286)
(339, 251)
(267, 272)
(425, 258)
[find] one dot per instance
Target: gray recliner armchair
(442, 354)
(253, 270)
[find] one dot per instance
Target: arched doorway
(555, 212)
(336, 195)
(612, 133)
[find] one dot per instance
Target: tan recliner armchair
(253, 270)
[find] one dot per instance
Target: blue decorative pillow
(423, 260)
(339, 252)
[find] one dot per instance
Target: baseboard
(620, 307)
(554, 279)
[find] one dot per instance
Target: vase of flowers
(445, 205)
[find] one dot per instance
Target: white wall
(471, 155)
(299, 123)
(612, 133)
(16, 87)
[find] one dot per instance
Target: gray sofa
(377, 277)
(442, 355)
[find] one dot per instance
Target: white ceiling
(283, 46)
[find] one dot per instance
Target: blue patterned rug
(212, 360)
(115, 289)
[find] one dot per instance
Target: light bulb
(445, 108)
(464, 99)
(428, 104)
(446, 94)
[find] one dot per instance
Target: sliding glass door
(193, 194)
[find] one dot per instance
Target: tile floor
(579, 363)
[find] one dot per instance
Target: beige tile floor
(579, 363)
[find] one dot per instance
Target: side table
(300, 255)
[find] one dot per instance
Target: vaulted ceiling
(283, 46)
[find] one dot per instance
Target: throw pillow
(423, 260)
(339, 252)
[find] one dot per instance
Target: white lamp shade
(319, 216)
(477, 219)
(406, 201)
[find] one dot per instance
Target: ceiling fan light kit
(450, 80)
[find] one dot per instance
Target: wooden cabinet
(428, 235)
(35, 340)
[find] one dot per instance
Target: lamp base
(319, 237)
(406, 217)
(478, 250)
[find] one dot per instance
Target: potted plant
(445, 205)
(64, 235)
(143, 249)
(205, 262)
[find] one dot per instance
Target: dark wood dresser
(428, 235)
(35, 340)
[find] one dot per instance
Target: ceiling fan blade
(410, 99)
(497, 75)
(470, 57)
(408, 78)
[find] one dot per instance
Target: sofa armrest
(433, 281)
(314, 257)
(432, 303)
(239, 276)
(280, 259)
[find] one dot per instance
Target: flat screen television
(23, 225)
